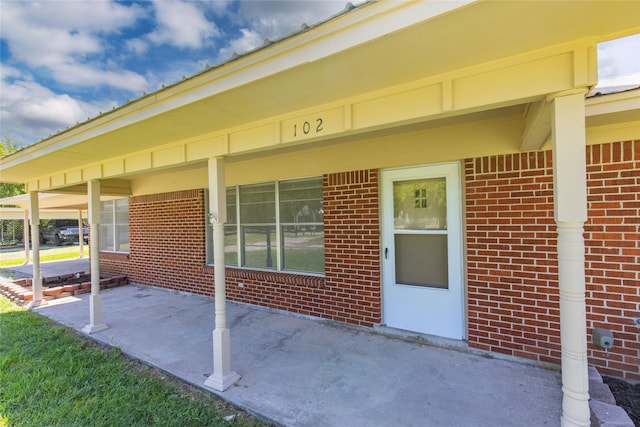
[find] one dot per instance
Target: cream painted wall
(626, 131)
(442, 144)
(170, 181)
(500, 135)
(417, 147)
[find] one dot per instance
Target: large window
(114, 225)
(275, 225)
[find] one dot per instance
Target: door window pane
(420, 204)
(421, 260)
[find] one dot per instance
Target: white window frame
(114, 227)
(279, 248)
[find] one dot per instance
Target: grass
(57, 253)
(50, 376)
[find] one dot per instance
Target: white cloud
(619, 57)
(181, 24)
(95, 16)
(34, 111)
(136, 46)
(266, 19)
(247, 41)
(62, 36)
(89, 75)
(274, 19)
(618, 64)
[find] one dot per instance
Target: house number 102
(308, 128)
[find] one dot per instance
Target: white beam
(570, 198)
(25, 236)
(538, 126)
(96, 323)
(80, 234)
(223, 377)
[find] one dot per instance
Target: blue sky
(62, 62)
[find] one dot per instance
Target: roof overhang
(429, 60)
(50, 202)
(19, 213)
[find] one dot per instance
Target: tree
(10, 230)
(9, 145)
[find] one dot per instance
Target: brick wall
(167, 246)
(350, 290)
(612, 235)
(512, 258)
(167, 241)
(167, 233)
(352, 245)
(114, 264)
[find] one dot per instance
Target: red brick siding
(167, 233)
(167, 246)
(352, 245)
(350, 290)
(512, 256)
(612, 235)
(114, 264)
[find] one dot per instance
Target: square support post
(80, 234)
(570, 202)
(25, 234)
(36, 281)
(223, 377)
(96, 322)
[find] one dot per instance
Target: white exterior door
(422, 250)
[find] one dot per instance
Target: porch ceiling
(56, 204)
(288, 78)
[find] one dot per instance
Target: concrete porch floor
(301, 372)
(304, 372)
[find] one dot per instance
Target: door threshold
(421, 338)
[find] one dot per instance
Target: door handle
(386, 253)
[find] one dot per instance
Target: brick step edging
(604, 410)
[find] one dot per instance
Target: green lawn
(50, 376)
(57, 253)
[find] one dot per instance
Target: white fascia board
(22, 200)
(18, 213)
(49, 201)
(613, 103)
(372, 21)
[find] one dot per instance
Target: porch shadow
(301, 372)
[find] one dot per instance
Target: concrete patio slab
(304, 372)
(47, 269)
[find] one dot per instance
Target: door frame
(387, 233)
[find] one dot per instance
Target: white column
(36, 281)
(96, 323)
(80, 234)
(570, 198)
(25, 234)
(223, 377)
